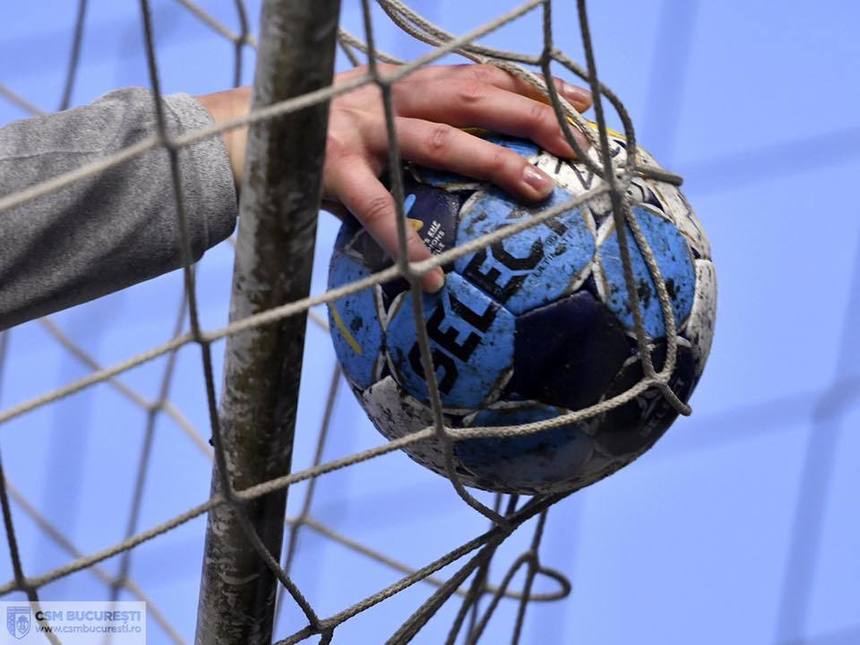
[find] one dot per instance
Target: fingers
(437, 145)
(356, 186)
(580, 98)
(432, 105)
(468, 104)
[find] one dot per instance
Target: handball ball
(534, 326)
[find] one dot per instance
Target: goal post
(280, 199)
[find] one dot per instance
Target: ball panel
(567, 352)
(471, 338)
(574, 177)
(396, 414)
(676, 266)
(360, 246)
(699, 329)
(522, 147)
(524, 271)
(539, 462)
(632, 428)
(447, 181)
(639, 193)
(682, 214)
(349, 229)
(355, 322)
(432, 213)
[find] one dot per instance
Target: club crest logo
(18, 621)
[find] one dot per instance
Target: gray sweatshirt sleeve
(117, 228)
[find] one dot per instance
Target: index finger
(360, 191)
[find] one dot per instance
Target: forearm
(113, 229)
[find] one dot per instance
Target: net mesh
(508, 512)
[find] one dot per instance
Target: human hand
(431, 106)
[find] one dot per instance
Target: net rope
(509, 512)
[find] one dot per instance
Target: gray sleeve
(117, 228)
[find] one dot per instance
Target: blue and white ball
(534, 326)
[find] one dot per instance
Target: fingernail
(576, 94)
(434, 280)
(539, 181)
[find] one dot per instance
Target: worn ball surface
(532, 327)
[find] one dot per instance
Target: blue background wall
(740, 526)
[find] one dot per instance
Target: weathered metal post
(277, 225)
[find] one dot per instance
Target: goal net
(485, 569)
